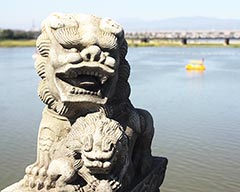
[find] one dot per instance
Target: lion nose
(91, 53)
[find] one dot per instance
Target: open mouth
(98, 166)
(85, 79)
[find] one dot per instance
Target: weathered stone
(91, 138)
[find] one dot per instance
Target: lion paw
(35, 176)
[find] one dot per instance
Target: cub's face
(102, 152)
(103, 142)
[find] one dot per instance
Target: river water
(196, 115)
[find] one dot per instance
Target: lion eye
(107, 145)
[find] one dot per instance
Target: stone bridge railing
(184, 35)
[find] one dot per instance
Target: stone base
(150, 183)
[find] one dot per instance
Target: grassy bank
(17, 43)
(159, 43)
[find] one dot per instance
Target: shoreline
(7, 43)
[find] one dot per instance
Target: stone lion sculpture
(91, 138)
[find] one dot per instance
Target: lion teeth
(79, 91)
(92, 73)
(99, 93)
(103, 80)
(97, 164)
(71, 74)
(106, 164)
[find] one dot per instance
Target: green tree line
(18, 34)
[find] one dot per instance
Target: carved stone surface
(91, 138)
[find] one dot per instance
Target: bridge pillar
(227, 41)
(184, 41)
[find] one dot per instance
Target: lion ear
(111, 26)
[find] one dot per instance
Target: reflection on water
(195, 114)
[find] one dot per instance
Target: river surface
(196, 115)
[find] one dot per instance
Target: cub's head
(103, 142)
(81, 60)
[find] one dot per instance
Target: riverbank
(159, 43)
(17, 43)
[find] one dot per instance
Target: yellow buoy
(197, 65)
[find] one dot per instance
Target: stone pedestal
(149, 183)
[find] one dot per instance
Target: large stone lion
(83, 70)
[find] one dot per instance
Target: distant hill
(181, 23)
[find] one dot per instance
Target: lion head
(81, 61)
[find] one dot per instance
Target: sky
(26, 14)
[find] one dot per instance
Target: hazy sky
(23, 14)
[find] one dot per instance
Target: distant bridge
(184, 36)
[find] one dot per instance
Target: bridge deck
(185, 35)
